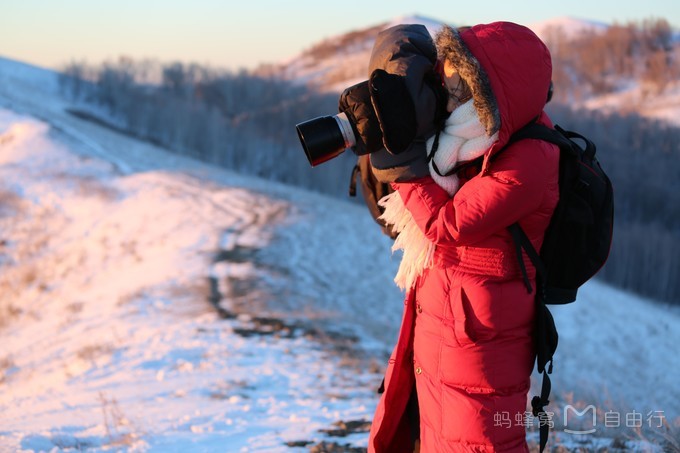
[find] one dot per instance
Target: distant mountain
(341, 61)
(568, 27)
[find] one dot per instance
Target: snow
(630, 96)
(618, 347)
(432, 25)
(149, 302)
(568, 27)
(112, 338)
(633, 97)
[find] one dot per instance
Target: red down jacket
(465, 339)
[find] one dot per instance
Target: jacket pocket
(460, 310)
(475, 311)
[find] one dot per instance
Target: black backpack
(575, 247)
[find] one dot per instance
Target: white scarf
(463, 139)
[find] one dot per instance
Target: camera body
(356, 127)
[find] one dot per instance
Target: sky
(245, 33)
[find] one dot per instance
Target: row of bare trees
(600, 61)
(234, 120)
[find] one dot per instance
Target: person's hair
(465, 92)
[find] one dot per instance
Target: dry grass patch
(10, 203)
(75, 307)
(5, 364)
(8, 312)
(6, 138)
(120, 431)
(92, 352)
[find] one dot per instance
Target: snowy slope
(112, 251)
(634, 98)
(108, 336)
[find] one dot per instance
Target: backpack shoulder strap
(557, 136)
(546, 337)
(563, 138)
(546, 333)
(521, 241)
(356, 171)
(519, 238)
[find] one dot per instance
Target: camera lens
(323, 138)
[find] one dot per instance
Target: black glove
(395, 110)
(434, 82)
(355, 102)
(410, 164)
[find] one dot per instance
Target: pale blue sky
(244, 33)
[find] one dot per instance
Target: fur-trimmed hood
(508, 70)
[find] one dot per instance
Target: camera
(377, 116)
(356, 127)
(325, 137)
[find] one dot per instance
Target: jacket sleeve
(484, 205)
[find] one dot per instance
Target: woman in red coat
(465, 343)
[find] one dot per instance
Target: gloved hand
(408, 165)
(383, 118)
(395, 110)
(405, 155)
(355, 102)
(433, 81)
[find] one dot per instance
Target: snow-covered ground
(149, 302)
(633, 98)
(108, 334)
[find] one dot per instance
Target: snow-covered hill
(149, 302)
(341, 61)
(567, 27)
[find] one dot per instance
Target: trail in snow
(107, 334)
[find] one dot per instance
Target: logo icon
(581, 416)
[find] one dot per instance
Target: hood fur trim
(451, 48)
